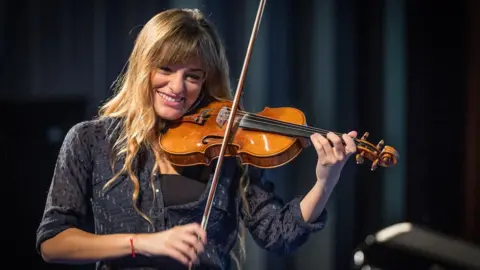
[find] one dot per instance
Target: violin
(268, 139)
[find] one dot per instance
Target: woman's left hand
(331, 159)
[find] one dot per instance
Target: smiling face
(176, 88)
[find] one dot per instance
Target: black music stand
(405, 246)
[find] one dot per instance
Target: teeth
(167, 98)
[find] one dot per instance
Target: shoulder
(90, 133)
(88, 128)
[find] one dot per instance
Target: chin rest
(405, 246)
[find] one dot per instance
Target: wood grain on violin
(268, 139)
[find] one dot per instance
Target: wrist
(328, 181)
(135, 245)
(325, 186)
(330, 175)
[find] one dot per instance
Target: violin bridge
(223, 116)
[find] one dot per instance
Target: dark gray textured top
(76, 199)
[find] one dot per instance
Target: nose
(176, 83)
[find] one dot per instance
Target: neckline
(201, 199)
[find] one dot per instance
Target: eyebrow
(196, 69)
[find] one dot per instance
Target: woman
(115, 199)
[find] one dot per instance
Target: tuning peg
(359, 158)
(365, 136)
(374, 164)
(380, 145)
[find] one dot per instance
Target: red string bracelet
(132, 248)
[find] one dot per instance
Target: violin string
(293, 127)
(265, 120)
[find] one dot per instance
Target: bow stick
(228, 129)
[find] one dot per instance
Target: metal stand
(406, 246)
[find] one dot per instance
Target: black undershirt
(178, 189)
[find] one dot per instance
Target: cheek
(193, 92)
(158, 79)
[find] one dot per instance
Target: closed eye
(195, 76)
(165, 69)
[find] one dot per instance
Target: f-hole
(206, 138)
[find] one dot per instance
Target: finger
(338, 149)
(197, 230)
(177, 255)
(353, 134)
(193, 241)
(350, 146)
(327, 147)
(194, 236)
(324, 149)
(318, 146)
(186, 249)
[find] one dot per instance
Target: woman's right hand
(182, 243)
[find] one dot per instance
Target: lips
(171, 98)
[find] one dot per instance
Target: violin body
(197, 138)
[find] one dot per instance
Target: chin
(169, 114)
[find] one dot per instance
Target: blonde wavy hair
(170, 37)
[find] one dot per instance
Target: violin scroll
(380, 155)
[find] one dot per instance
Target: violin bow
(228, 129)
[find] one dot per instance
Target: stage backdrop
(395, 69)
